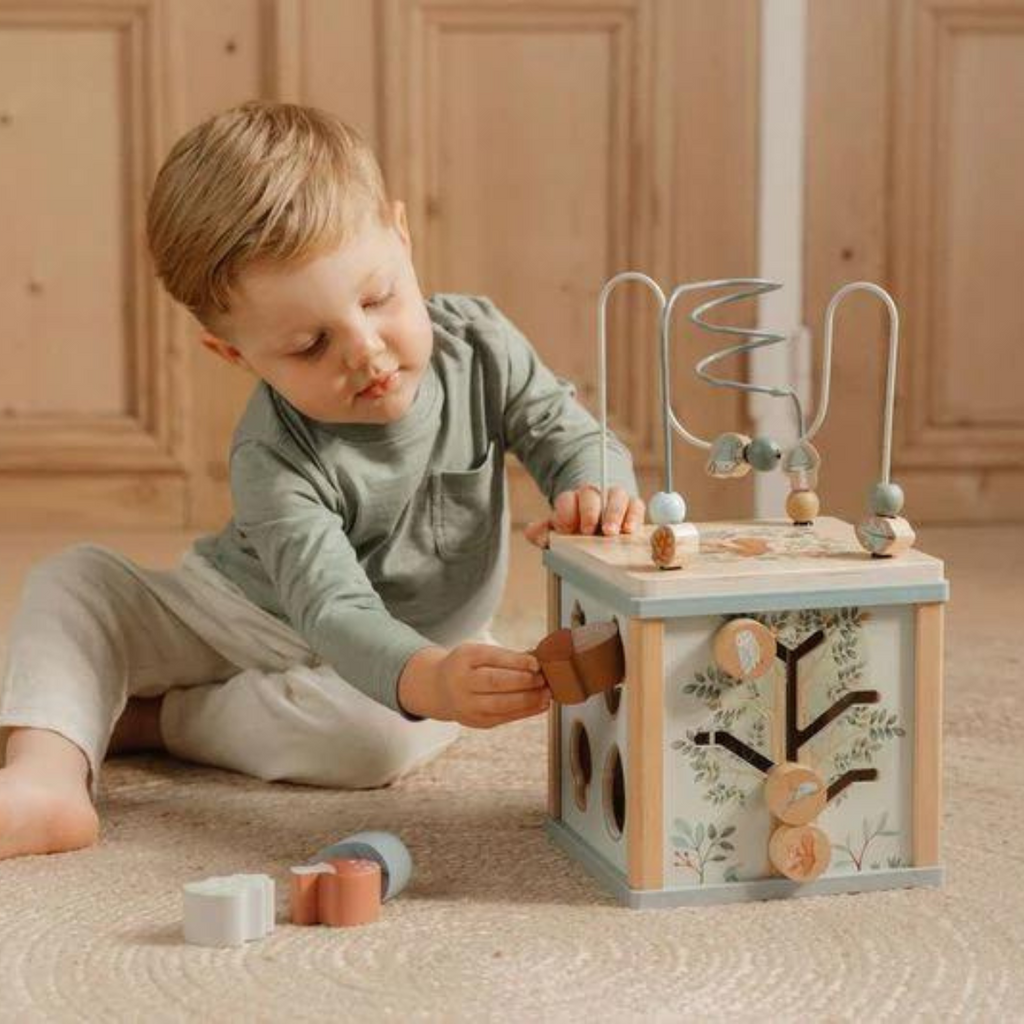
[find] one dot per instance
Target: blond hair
(262, 181)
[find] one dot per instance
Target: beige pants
(242, 690)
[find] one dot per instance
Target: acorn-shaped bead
(763, 454)
(887, 499)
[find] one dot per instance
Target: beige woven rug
(498, 925)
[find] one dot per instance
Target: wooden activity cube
(658, 787)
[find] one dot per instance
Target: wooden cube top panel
(753, 557)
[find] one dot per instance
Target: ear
(226, 351)
(401, 223)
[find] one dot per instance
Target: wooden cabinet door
(541, 148)
(915, 169)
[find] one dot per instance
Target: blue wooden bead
(887, 499)
(666, 508)
(763, 453)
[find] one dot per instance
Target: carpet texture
(498, 925)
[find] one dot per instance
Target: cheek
(413, 334)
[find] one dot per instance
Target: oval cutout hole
(614, 792)
(613, 697)
(580, 763)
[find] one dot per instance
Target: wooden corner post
(644, 762)
(555, 710)
(927, 789)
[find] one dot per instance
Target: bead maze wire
(754, 338)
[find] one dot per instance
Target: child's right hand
(478, 685)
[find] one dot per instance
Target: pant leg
(304, 724)
(90, 630)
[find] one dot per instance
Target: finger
(510, 703)
(614, 510)
(567, 517)
(489, 721)
(590, 508)
(509, 707)
(494, 657)
(500, 681)
(537, 532)
(634, 516)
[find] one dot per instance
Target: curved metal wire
(750, 287)
(602, 361)
(890, 375)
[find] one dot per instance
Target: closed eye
(312, 351)
(381, 301)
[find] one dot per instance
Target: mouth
(379, 386)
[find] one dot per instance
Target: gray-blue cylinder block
(383, 847)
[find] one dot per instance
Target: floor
(497, 925)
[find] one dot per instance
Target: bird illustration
(807, 788)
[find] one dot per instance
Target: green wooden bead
(763, 454)
(887, 499)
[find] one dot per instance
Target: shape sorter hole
(614, 792)
(580, 762)
(578, 617)
(613, 697)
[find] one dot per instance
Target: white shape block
(228, 910)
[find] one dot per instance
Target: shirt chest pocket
(466, 505)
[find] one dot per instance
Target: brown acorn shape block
(577, 663)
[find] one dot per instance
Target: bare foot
(44, 798)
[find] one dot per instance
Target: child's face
(344, 337)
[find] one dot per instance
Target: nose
(361, 348)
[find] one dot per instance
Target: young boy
(335, 631)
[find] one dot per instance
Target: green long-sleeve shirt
(376, 540)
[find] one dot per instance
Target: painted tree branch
(738, 747)
(795, 736)
(856, 775)
(848, 700)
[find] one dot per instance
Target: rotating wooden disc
(800, 852)
(795, 793)
(744, 648)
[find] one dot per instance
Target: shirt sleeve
(328, 598)
(552, 434)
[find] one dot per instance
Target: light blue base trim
(730, 892)
(715, 604)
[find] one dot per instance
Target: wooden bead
(887, 499)
(803, 457)
(744, 648)
(666, 507)
(885, 536)
(802, 507)
(763, 454)
(795, 793)
(726, 459)
(800, 852)
(674, 545)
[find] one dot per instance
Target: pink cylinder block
(351, 895)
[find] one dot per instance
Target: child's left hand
(579, 511)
